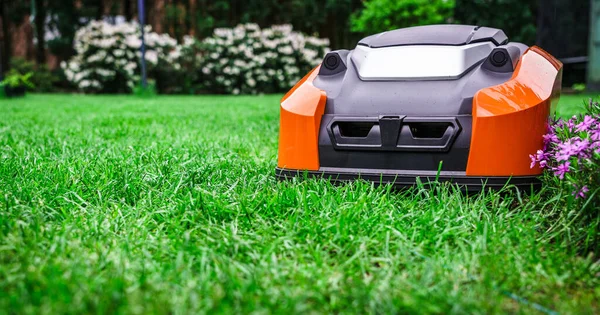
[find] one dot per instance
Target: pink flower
(550, 138)
(595, 146)
(581, 192)
(572, 147)
(565, 151)
(571, 122)
(540, 157)
(581, 147)
(586, 124)
(595, 133)
(561, 170)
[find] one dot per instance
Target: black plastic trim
(511, 56)
(391, 158)
(334, 63)
(392, 133)
(404, 179)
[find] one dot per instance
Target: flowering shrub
(176, 73)
(108, 56)
(572, 152)
(248, 59)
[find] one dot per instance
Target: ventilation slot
(354, 129)
(428, 130)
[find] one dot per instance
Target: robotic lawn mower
(448, 102)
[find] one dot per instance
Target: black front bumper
(404, 179)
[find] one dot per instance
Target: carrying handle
(394, 133)
(410, 140)
(363, 134)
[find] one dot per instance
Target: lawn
(573, 103)
(170, 205)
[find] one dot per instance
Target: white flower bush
(108, 56)
(250, 60)
(245, 59)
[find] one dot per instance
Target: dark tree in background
(516, 17)
(64, 18)
(559, 26)
(328, 18)
(563, 30)
(99, 9)
(5, 42)
(12, 13)
(563, 27)
(127, 10)
(40, 31)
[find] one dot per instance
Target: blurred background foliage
(516, 17)
(383, 15)
(560, 26)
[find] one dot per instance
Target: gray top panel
(453, 35)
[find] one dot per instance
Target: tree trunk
(40, 31)
(193, 17)
(5, 42)
(172, 21)
(155, 14)
(99, 9)
(593, 65)
(127, 10)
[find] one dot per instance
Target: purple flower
(565, 151)
(580, 193)
(551, 137)
(572, 147)
(571, 122)
(562, 169)
(540, 157)
(586, 124)
(581, 147)
(595, 133)
(533, 161)
(595, 146)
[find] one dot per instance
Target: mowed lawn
(571, 104)
(170, 205)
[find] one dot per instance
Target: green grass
(169, 205)
(571, 104)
